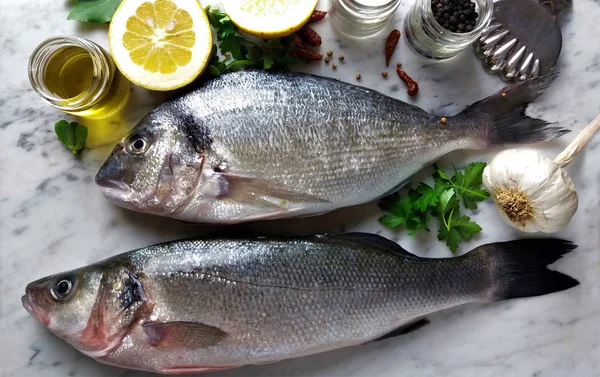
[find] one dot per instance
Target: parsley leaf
(415, 210)
(246, 52)
(445, 199)
(430, 196)
(392, 220)
(472, 180)
(97, 11)
(403, 212)
(72, 135)
(467, 185)
(459, 229)
(474, 174)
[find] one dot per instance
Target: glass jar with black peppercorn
(440, 29)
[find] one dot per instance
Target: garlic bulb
(533, 193)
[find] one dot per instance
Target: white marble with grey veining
(53, 218)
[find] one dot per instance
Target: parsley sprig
(442, 200)
(241, 52)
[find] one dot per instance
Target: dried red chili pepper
(302, 53)
(317, 15)
(390, 45)
(310, 36)
(298, 41)
(413, 87)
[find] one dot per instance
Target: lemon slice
(269, 18)
(160, 44)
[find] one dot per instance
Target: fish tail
(520, 268)
(501, 118)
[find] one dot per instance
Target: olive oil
(70, 72)
(78, 77)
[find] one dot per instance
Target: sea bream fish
(216, 303)
(257, 145)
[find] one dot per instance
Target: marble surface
(53, 217)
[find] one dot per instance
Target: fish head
(90, 308)
(156, 167)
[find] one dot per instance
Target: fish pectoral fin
(182, 334)
(254, 190)
(404, 329)
(192, 369)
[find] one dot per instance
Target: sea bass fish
(207, 304)
(256, 145)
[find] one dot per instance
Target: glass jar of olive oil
(78, 76)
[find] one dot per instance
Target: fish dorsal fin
(182, 334)
(376, 241)
(404, 329)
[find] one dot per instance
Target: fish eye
(137, 145)
(62, 288)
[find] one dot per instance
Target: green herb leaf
(451, 236)
(97, 11)
(429, 196)
(213, 70)
(287, 60)
(466, 227)
(73, 135)
(237, 64)
(417, 221)
(474, 195)
(267, 62)
(414, 211)
(243, 52)
(474, 174)
(392, 221)
(468, 185)
(445, 198)
(440, 173)
(404, 212)
(460, 229)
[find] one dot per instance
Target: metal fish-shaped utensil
(523, 39)
(257, 145)
(207, 304)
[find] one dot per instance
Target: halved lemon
(269, 18)
(160, 44)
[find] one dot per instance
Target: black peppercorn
(455, 15)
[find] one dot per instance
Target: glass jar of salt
(361, 18)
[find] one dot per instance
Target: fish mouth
(111, 184)
(41, 316)
(113, 189)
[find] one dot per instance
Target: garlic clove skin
(532, 193)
